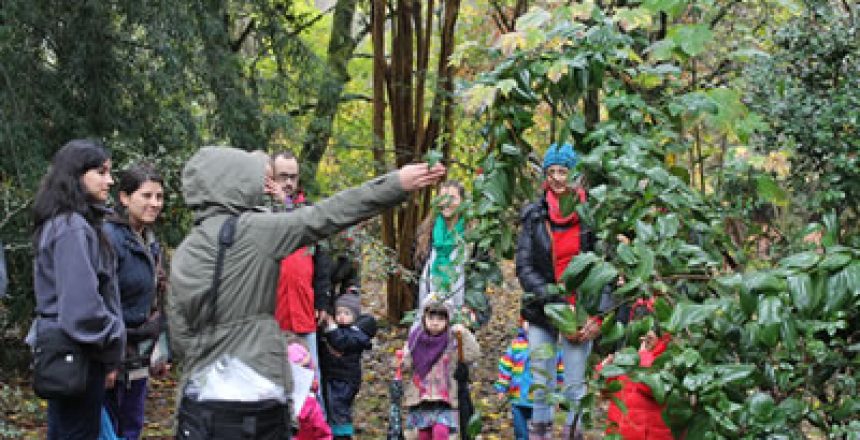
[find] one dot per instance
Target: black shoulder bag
(198, 420)
(60, 365)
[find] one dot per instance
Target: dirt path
(372, 406)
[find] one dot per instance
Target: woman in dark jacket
(548, 240)
(74, 280)
(141, 197)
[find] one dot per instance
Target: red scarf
(565, 236)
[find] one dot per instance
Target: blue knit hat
(560, 155)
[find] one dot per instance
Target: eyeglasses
(283, 177)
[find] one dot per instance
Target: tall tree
(415, 130)
(342, 44)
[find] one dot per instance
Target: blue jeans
(79, 418)
(522, 415)
(575, 357)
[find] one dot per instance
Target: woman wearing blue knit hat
(549, 238)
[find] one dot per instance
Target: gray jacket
(217, 183)
(76, 290)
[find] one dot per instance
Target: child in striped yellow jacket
(515, 380)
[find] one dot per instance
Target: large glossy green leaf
(667, 226)
(834, 261)
(788, 330)
(645, 268)
(687, 314)
(748, 301)
(639, 328)
(769, 316)
(567, 204)
(764, 282)
(662, 310)
(610, 332)
(800, 287)
(658, 387)
(577, 269)
(644, 231)
(733, 281)
(589, 292)
(803, 260)
(761, 406)
(792, 408)
(849, 408)
(626, 358)
(732, 373)
(852, 277)
(770, 310)
(837, 291)
(612, 370)
(562, 317)
(625, 253)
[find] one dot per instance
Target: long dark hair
(130, 179)
(61, 191)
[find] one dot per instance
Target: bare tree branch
(237, 44)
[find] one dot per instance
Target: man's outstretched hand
(419, 175)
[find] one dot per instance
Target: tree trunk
(340, 50)
(412, 135)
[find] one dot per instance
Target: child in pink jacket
(312, 424)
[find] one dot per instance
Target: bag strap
(225, 239)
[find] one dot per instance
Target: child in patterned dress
(430, 394)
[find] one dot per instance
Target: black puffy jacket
(534, 260)
(341, 347)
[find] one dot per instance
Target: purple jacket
(76, 290)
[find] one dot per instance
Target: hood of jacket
(223, 180)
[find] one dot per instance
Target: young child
(344, 338)
(312, 424)
(643, 419)
(430, 394)
(515, 379)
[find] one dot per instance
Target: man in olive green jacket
(218, 182)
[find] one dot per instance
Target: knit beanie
(560, 155)
(350, 301)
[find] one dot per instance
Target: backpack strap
(225, 240)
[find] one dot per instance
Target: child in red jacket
(643, 419)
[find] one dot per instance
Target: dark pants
(125, 406)
(340, 394)
(79, 418)
(522, 415)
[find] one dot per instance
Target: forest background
(719, 141)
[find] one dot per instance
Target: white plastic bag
(303, 378)
(228, 378)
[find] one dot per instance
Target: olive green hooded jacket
(218, 182)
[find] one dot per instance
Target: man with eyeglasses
(304, 284)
